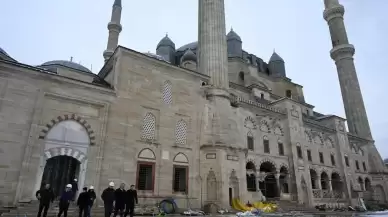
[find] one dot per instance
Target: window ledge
(150, 142)
(181, 146)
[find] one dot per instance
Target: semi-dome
(275, 57)
(232, 35)
(166, 41)
(189, 55)
(64, 63)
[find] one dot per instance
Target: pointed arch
(278, 130)
(264, 126)
(181, 158)
(329, 142)
(270, 163)
(308, 136)
(212, 187)
(147, 154)
(65, 117)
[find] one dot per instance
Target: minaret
(212, 49)
(342, 53)
(114, 28)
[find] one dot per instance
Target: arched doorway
(65, 153)
(251, 176)
(379, 194)
(283, 180)
(314, 179)
(325, 185)
(60, 171)
(337, 185)
(368, 189)
(267, 184)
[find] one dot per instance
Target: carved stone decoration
(294, 112)
(264, 126)
(341, 126)
(295, 126)
(250, 123)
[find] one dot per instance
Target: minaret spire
(213, 55)
(342, 53)
(114, 28)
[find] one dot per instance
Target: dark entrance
(60, 171)
(268, 186)
(230, 196)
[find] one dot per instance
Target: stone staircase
(290, 206)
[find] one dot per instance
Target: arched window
(250, 141)
(266, 145)
(241, 76)
(68, 132)
(288, 93)
(149, 127)
(180, 132)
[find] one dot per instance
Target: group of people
(117, 200)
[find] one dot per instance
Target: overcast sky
(36, 31)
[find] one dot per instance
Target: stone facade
(185, 135)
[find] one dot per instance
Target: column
(277, 176)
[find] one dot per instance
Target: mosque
(206, 122)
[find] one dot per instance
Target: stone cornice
(318, 125)
(342, 51)
(239, 99)
(331, 13)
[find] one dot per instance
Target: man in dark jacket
(92, 197)
(120, 199)
(108, 196)
(65, 200)
(45, 197)
(74, 188)
(131, 197)
(83, 202)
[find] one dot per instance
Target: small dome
(189, 55)
(155, 56)
(275, 57)
(232, 35)
(165, 42)
(72, 65)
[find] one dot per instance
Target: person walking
(65, 200)
(92, 198)
(83, 202)
(45, 197)
(131, 199)
(108, 196)
(120, 198)
(74, 188)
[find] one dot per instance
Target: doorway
(60, 171)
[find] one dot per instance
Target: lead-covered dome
(53, 65)
(166, 42)
(232, 35)
(5, 56)
(275, 57)
(189, 55)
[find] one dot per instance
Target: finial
(274, 50)
(71, 59)
(166, 34)
(231, 28)
(91, 67)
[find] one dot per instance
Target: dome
(233, 35)
(4, 55)
(189, 56)
(55, 63)
(165, 42)
(191, 46)
(275, 57)
(155, 56)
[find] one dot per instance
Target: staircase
(289, 206)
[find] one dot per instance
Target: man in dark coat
(92, 197)
(83, 202)
(65, 200)
(131, 199)
(120, 196)
(74, 188)
(45, 197)
(108, 196)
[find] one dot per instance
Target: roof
(191, 46)
(69, 64)
(233, 35)
(189, 56)
(4, 55)
(166, 41)
(275, 57)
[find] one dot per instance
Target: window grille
(180, 179)
(166, 93)
(149, 127)
(145, 177)
(181, 133)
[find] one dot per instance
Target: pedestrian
(74, 188)
(92, 197)
(83, 202)
(131, 199)
(65, 200)
(120, 196)
(45, 197)
(108, 196)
